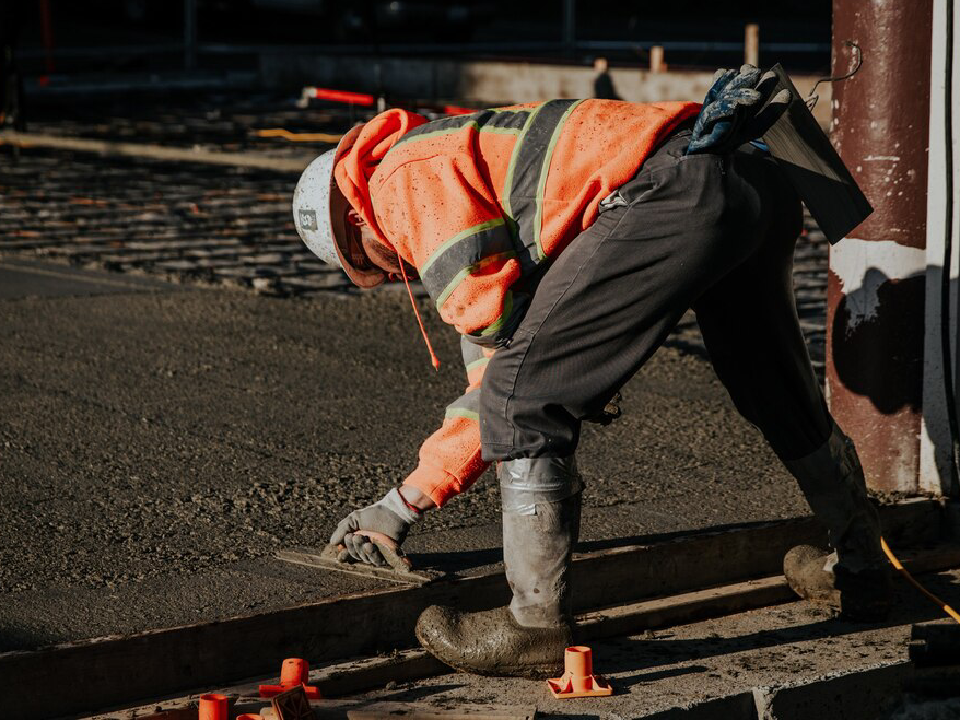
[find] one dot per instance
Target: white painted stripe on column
(864, 265)
(935, 428)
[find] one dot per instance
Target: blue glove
(736, 110)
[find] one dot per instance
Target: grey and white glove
(391, 516)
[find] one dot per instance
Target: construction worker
(564, 240)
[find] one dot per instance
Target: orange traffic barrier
(578, 679)
(293, 672)
(213, 706)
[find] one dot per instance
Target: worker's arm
(443, 218)
(450, 458)
(449, 463)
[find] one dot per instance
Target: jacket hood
(354, 170)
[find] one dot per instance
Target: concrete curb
(112, 671)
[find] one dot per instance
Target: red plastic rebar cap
(578, 679)
(293, 672)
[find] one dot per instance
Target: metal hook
(812, 97)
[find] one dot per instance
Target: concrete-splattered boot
(854, 579)
(541, 521)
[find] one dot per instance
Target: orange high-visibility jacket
(478, 202)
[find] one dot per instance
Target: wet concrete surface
(156, 447)
(684, 666)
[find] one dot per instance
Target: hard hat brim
(363, 277)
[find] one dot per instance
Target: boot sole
(532, 672)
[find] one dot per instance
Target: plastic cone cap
(294, 671)
(578, 665)
(578, 679)
(213, 707)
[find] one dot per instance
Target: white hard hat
(311, 208)
(319, 212)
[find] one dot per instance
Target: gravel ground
(158, 441)
(153, 437)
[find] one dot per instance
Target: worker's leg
(751, 331)
(749, 324)
(609, 300)
(541, 521)
(598, 314)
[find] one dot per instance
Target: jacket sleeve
(450, 458)
(442, 216)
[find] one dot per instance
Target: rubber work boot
(853, 579)
(541, 522)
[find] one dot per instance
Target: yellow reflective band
(486, 225)
(461, 412)
(469, 270)
(500, 130)
(508, 183)
(544, 169)
(436, 133)
(504, 316)
(477, 363)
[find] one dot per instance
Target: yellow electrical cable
(899, 566)
(299, 137)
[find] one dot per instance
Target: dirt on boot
(493, 643)
(861, 596)
(804, 566)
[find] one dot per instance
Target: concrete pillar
(876, 285)
(936, 474)
(570, 25)
(189, 34)
(46, 24)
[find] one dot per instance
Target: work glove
(736, 110)
(390, 516)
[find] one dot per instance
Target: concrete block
(732, 707)
(864, 695)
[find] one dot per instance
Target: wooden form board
(116, 670)
(350, 677)
(347, 710)
(386, 711)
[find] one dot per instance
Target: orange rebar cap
(578, 679)
(293, 672)
(213, 706)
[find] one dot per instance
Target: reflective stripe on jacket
(479, 202)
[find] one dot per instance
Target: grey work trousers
(712, 233)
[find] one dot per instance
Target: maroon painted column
(876, 301)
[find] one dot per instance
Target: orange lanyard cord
(423, 331)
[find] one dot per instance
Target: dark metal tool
(399, 567)
(815, 169)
